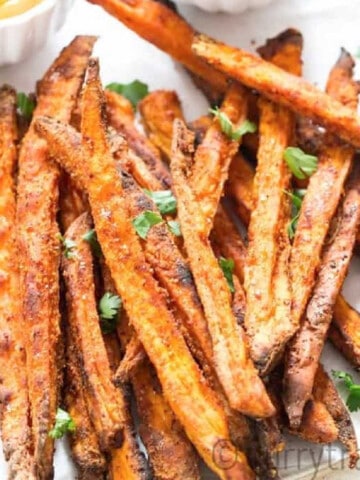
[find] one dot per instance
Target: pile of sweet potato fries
(131, 306)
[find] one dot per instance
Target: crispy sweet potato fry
(186, 391)
(302, 364)
(279, 86)
(15, 407)
(325, 391)
(119, 106)
(158, 23)
(38, 246)
(199, 127)
(158, 111)
(231, 358)
(171, 455)
(213, 156)
(85, 448)
(268, 321)
(133, 357)
(323, 195)
(123, 123)
(105, 404)
(345, 331)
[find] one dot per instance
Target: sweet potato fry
(158, 111)
(138, 142)
(186, 391)
(231, 357)
(325, 391)
(302, 364)
(117, 106)
(171, 455)
(158, 23)
(14, 394)
(85, 448)
(240, 186)
(279, 86)
(71, 202)
(105, 403)
(213, 156)
(323, 194)
(268, 321)
(345, 331)
(133, 357)
(39, 247)
(199, 127)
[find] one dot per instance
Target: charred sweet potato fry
(105, 404)
(323, 194)
(185, 389)
(158, 111)
(325, 391)
(279, 86)
(171, 455)
(39, 248)
(158, 23)
(302, 364)
(85, 448)
(345, 331)
(213, 156)
(231, 357)
(123, 123)
(268, 321)
(14, 394)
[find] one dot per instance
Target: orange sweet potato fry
(231, 357)
(279, 86)
(39, 253)
(14, 394)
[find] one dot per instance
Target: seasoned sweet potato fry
(213, 156)
(185, 389)
(134, 356)
(279, 86)
(158, 111)
(345, 331)
(105, 404)
(323, 194)
(199, 127)
(268, 321)
(171, 455)
(85, 448)
(231, 357)
(14, 395)
(39, 247)
(302, 365)
(158, 22)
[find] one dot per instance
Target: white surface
(26, 33)
(228, 6)
(326, 24)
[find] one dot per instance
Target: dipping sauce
(11, 8)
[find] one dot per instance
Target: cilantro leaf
(228, 128)
(300, 163)
(91, 237)
(25, 105)
(63, 424)
(145, 221)
(68, 247)
(296, 198)
(133, 91)
(109, 307)
(227, 266)
(164, 200)
(174, 228)
(353, 400)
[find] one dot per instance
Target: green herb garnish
(109, 307)
(296, 201)
(300, 163)
(353, 399)
(134, 91)
(91, 237)
(63, 424)
(228, 128)
(25, 105)
(68, 247)
(164, 200)
(227, 266)
(145, 221)
(174, 228)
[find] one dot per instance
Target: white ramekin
(228, 6)
(22, 35)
